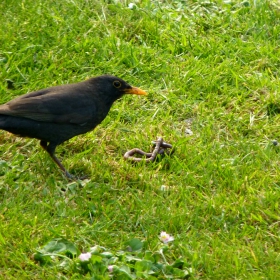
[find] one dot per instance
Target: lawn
(211, 70)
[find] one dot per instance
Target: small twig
(159, 148)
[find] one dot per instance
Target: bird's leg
(50, 148)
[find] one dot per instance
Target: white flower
(85, 257)
(165, 237)
(131, 6)
(110, 268)
(164, 188)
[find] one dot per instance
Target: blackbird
(56, 114)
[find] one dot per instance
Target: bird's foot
(72, 177)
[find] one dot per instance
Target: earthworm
(159, 148)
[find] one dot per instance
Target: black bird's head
(112, 88)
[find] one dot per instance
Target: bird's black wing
(61, 104)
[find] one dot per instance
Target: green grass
(209, 66)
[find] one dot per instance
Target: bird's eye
(117, 84)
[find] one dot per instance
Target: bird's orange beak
(135, 90)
